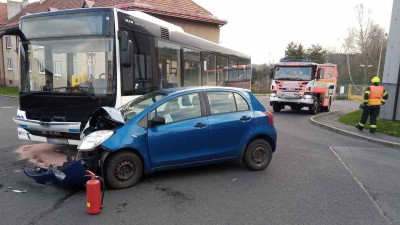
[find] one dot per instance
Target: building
(193, 19)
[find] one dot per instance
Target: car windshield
(136, 106)
(293, 73)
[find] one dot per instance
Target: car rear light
(270, 118)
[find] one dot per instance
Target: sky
(263, 28)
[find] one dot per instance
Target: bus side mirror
(126, 49)
(271, 73)
(332, 86)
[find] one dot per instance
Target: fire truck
(302, 83)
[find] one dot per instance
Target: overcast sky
(263, 28)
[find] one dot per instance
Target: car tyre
(123, 170)
(276, 108)
(314, 108)
(258, 155)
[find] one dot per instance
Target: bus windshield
(293, 73)
(74, 65)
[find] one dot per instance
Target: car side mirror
(157, 120)
(126, 49)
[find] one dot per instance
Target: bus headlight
(94, 139)
(307, 96)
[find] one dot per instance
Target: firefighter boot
(360, 128)
(372, 130)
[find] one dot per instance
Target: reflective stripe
(383, 100)
(360, 124)
(372, 126)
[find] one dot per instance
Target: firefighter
(374, 97)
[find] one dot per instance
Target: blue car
(176, 128)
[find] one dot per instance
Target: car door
(183, 139)
(230, 123)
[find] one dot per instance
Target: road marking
(380, 211)
(7, 107)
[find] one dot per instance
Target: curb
(348, 133)
(9, 96)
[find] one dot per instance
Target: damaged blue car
(176, 128)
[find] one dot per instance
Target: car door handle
(245, 118)
(200, 125)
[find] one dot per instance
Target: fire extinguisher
(94, 198)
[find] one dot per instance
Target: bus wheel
(313, 109)
(258, 155)
(276, 108)
(123, 169)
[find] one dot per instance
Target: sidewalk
(330, 121)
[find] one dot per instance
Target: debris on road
(18, 191)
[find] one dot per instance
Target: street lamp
(365, 72)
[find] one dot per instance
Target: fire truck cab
(302, 83)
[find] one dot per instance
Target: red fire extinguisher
(94, 198)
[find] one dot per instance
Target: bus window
(233, 70)
(169, 64)
(210, 69)
(222, 76)
(138, 79)
(192, 67)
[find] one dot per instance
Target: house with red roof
(188, 15)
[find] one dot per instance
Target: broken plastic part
(70, 175)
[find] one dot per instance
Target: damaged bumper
(70, 175)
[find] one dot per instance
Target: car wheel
(258, 155)
(314, 108)
(123, 170)
(276, 108)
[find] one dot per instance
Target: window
(241, 103)
(192, 67)
(57, 68)
(180, 108)
(169, 64)
(30, 65)
(9, 64)
(42, 66)
(221, 102)
(8, 42)
(209, 73)
(222, 75)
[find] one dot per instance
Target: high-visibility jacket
(375, 95)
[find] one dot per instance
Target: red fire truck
(302, 83)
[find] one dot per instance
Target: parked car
(176, 128)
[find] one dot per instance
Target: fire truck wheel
(314, 108)
(123, 170)
(258, 155)
(276, 108)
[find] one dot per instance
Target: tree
(316, 53)
(366, 40)
(294, 51)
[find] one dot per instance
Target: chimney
(14, 7)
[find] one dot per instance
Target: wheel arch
(107, 157)
(263, 137)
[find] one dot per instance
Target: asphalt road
(315, 177)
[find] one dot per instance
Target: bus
(75, 61)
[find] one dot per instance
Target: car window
(221, 102)
(241, 103)
(180, 108)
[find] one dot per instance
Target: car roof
(170, 91)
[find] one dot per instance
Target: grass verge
(11, 91)
(388, 127)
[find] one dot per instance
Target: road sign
(91, 62)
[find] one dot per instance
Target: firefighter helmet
(375, 80)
